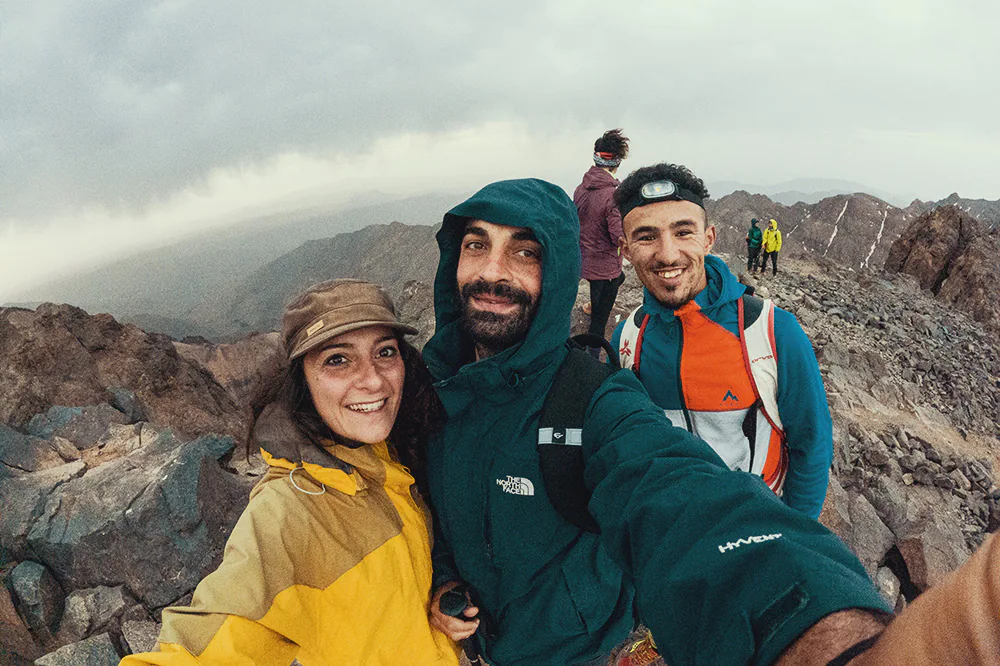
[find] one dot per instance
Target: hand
(452, 627)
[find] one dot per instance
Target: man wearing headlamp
(731, 368)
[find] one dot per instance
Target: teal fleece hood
(548, 211)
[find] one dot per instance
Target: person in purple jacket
(601, 228)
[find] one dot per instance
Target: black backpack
(560, 427)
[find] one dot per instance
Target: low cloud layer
(135, 122)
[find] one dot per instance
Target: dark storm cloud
(120, 103)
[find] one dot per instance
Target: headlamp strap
(660, 190)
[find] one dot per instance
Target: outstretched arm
(724, 572)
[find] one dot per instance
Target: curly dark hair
(420, 411)
(614, 142)
(680, 175)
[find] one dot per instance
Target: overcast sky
(125, 124)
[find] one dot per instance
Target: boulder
(155, 520)
(932, 548)
(16, 641)
(141, 636)
(247, 369)
(888, 498)
(83, 426)
(933, 240)
(94, 651)
(22, 453)
(127, 402)
(23, 500)
(60, 355)
(92, 610)
(38, 597)
(853, 518)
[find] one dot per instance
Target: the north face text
(516, 485)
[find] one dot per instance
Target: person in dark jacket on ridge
(710, 560)
(755, 238)
(601, 228)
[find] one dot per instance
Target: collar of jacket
(548, 211)
(597, 178)
(723, 287)
(284, 447)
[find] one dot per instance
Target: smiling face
(667, 243)
(500, 282)
(356, 383)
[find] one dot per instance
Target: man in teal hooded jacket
(710, 560)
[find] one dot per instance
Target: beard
(492, 332)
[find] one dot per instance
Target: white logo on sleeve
(515, 485)
(732, 545)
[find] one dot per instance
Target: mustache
(497, 289)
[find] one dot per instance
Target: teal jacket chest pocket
(525, 529)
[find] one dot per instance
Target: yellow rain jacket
(772, 237)
(329, 564)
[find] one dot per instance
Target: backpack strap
(560, 434)
(631, 339)
(760, 353)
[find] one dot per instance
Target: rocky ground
(122, 471)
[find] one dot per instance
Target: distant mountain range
(226, 284)
(159, 288)
(806, 190)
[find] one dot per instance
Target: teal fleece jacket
(719, 569)
(802, 402)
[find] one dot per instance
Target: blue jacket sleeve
(805, 416)
(724, 572)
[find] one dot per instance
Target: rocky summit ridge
(123, 468)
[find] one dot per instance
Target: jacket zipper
(680, 385)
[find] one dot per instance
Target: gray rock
(856, 522)
(91, 610)
(38, 597)
(888, 585)
(64, 448)
(26, 454)
(932, 548)
(171, 498)
(126, 402)
(877, 454)
(933, 455)
(83, 426)
(23, 500)
(16, 640)
(912, 461)
(141, 636)
(94, 651)
(889, 499)
(924, 475)
(944, 481)
(835, 353)
(959, 479)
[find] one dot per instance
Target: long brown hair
(420, 415)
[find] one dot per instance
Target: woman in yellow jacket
(772, 246)
(330, 562)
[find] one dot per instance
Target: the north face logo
(516, 485)
(730, 396)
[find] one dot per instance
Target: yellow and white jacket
(329, 564)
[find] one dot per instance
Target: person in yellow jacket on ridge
(772, 246)
(330, 562)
